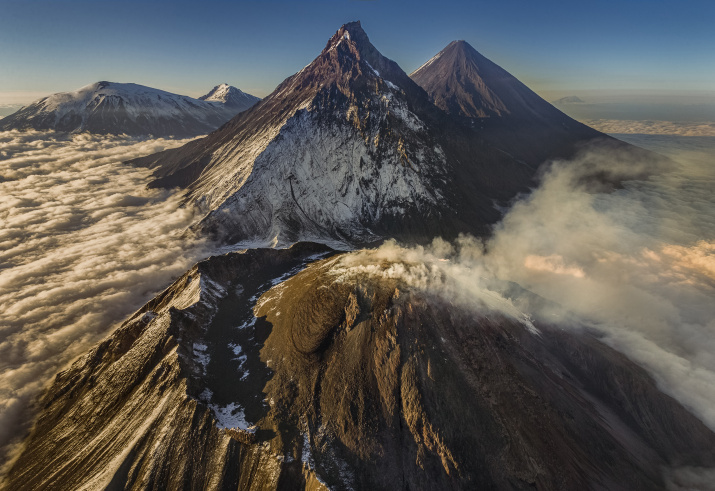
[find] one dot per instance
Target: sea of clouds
(653, 127)
(83, 244)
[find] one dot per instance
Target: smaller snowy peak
(127, 108)
(230, 96)
(572, 99)
(220, 93)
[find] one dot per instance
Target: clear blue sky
(556, 47)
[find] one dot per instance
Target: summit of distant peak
(461, 47)
(353, 28)
(229, 95)
(219, 93)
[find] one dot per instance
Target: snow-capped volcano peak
(219, 93)
(347, 149)
(338, 151)
(114, 108)
(100, 91)
(356, 41)
(351, 31)
(230, 96)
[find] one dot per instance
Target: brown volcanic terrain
(353, 381)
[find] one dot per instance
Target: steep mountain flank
(253, 371)
(464, 83)
(350, 149)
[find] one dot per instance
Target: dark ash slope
(353, 383)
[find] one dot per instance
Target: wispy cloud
(638, 263)
(648, 127)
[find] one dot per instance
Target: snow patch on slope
(230, 96)
(198, 289)
(231, 416)
(136, 99)
(325, 179)
(116, 108)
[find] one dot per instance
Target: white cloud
(637, 264)
(83, 243)
(653, 127)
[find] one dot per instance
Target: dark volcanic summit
(351, 149)
(255, 371)
(463, 82)
(509, 115)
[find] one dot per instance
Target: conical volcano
(463, 82)
(350, 149)
(509, 115)
(345, 150)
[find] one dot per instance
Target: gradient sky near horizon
(628, 48)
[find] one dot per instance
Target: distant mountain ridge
(572, 99)
(132, 109)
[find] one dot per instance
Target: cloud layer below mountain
(653, 127)
(82, 245)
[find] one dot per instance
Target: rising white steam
(638, 264)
